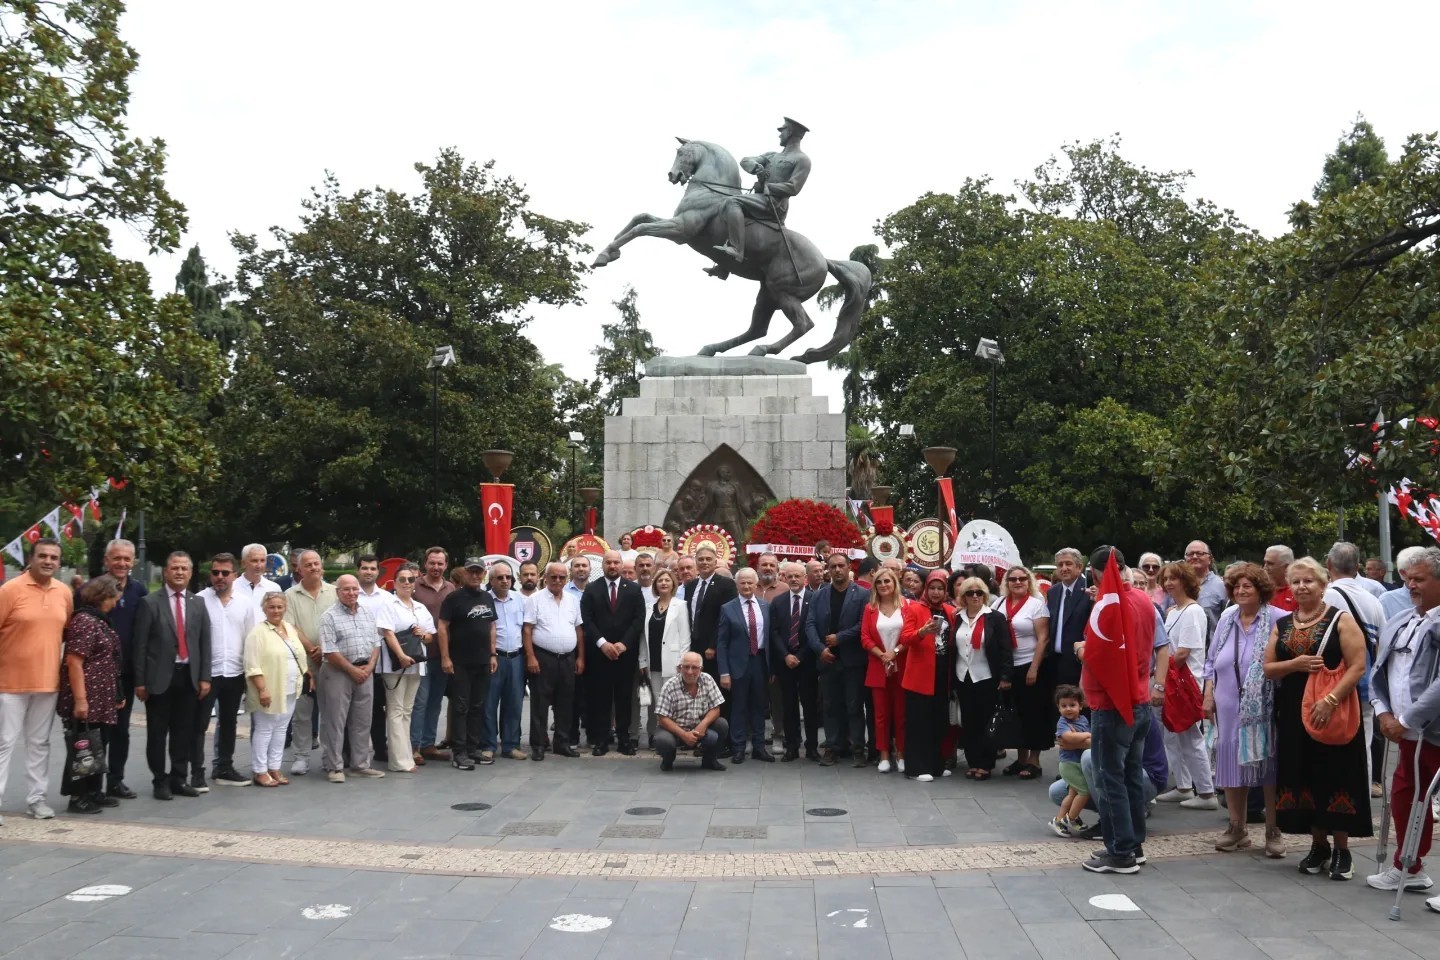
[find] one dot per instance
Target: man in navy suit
(742, 647)
(1069, 611)
(612, 610)
(793, 663)
(832, 631)
(704, 596)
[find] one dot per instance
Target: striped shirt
(352, 635)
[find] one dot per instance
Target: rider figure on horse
(780, 175)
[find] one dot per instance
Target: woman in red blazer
(888, 628)
(927, 681)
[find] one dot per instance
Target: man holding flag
(1115, 676)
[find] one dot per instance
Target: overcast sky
(580, 102)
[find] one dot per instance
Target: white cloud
(580, 101)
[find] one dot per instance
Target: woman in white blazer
(667, 636)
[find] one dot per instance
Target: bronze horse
(789, 268)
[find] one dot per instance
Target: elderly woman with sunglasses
(399, 673)
(983, 667)
(1029, 625)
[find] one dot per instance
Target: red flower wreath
(806, 522)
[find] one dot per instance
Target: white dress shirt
(554, 620)
(256, 592)
(230, 624)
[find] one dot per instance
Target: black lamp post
(442, 357)
(988, 349)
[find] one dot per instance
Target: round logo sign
(928, 542)
(713, 534)
(884, 546)
(585, 543)
(531, 545)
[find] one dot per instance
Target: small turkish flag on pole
(1108, 657)
(496, 500)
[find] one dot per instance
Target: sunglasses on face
(974, 593)
(404, 579)
(1017, 580)
(501, 576)
(222, 573)
(1149, 567)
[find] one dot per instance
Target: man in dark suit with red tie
(172, 674)
(612, 611)
(742, 649)
(704, 596)
(793, 663)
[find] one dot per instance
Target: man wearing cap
(780, 175)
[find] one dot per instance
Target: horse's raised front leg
(765, 308)
(800, 324)
(612, 252)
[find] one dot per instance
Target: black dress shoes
(537, 753)
(710, 763)
(812, 754)
(763, 755)
(738, 758)
(183, 790)
(724, 751)
(629, 749)
(119, 791)
(599, 750)
(565, 750)
(83, 805)
(790, 755)
(162, 792)
(104, 801)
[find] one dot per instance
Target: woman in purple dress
(1239, 701)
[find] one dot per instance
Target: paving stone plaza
(608, 857)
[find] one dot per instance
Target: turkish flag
(591, 518)
(947, 495)
(496, 500)
(884, 518)
(1108, 657)
(33, 535)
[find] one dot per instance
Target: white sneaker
(924, 778)
(1175, 796)
(900, 764)
(947, 773)
(1390, 880)
(884, 766)
(40, 810)
(301, 766)
(369, 772)
(1201, 803)
(1434, 904)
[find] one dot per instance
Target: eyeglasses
(222, 573)
(1149, 567)
(1195, 554)
(404, 579)
(977, 593)
(1017, 579)
(502, 576)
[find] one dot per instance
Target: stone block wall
(776, 423)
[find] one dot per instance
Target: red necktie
(795, 622)
(754, 632)
(612, 596)
(184, 649)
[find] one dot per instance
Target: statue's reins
(778, 225)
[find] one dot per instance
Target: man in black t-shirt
(467, 654)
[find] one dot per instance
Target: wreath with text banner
(806, 522)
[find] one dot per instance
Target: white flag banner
(16, 550)
(120, 528)
(52, 520)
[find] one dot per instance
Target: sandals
(280, 779)
(1029, 771)
(263, 780)
(1014, 768)
(981, 775)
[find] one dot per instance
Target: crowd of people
(1304, 670)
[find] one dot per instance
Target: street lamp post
(577, 440)
(988, 349)
(940, 459)
(442, 357)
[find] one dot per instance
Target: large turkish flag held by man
(1108, 654)
(496, 500)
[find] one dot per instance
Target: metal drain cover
(826, 812)
(470, 805)
(644, 811)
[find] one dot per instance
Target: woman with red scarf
(927, 682)
(889, 629)
(983, 663)
(1029, 620)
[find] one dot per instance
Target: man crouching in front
(689, 715)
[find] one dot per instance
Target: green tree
(215, 320)
(1315, 334)
(624, 348)
(94, 364)
(328, 417)
(1084, 285)
(1359, 157)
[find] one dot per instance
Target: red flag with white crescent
(1108, 658)
(496, 500)
(947, 495)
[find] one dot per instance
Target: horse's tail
(855, 280)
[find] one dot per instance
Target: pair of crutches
(1410, 849)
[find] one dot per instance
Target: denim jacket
(1424, 694)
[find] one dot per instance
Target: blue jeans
(507, 694)
(1060, 788)
(1119, 782)
(425, 715)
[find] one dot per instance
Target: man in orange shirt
(34, 608)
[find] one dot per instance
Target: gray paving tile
(912, 910)
(721, 943)
(1211, 939)
(66, 940)
(1066, 940)
(1137, 940)
(925, 946)
(1294, 948)
(635, 946)
(992, 935)
(199, 946)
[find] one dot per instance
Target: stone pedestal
(773, 421)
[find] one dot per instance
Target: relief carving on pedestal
(724, 490)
